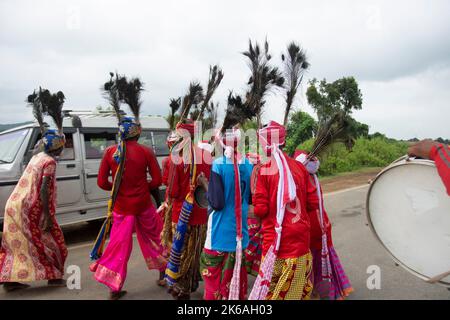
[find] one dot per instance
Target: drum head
(409, 212)
(200, 197)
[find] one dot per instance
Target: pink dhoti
(111, 268)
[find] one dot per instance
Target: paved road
(352, 238)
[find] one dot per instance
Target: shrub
(374, 152)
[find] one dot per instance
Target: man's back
(134, 192)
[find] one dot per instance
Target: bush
(373, 152)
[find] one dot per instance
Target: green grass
(366, 153)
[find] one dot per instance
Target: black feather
(237, 112)
(193, 97)
(335, 129)
(111, 93)
(215, 77)
(34, 103)
(295, 64)
(262, 79)
(130, 93)
(52, 105)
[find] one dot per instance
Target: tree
(333, 103)
(301, 127)
(328, 98)
(295, 65)
(358, 129)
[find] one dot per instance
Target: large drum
(409, 212)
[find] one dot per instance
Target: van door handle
(70, 165)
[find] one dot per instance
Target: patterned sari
(291, 279)
(217, 271)
(27, 252)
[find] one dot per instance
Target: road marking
(346, 190)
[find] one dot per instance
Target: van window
(160, 145)
(10, 144)
(96, 143)
(146, 138)
(68, 152)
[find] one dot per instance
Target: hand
(422, 148)
(251, 213)
(201, 180)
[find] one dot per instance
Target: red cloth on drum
(441, 156)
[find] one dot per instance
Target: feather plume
(295, 64)
(111, 93)
(52, 105)
(174, 107)
(130, 93)
(237, 112)
(333, 130)
(34, 103)
(263, 76)
(215, 77)
(194, 97)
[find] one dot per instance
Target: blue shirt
(221, 232)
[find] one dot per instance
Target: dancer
(222, 261)
(33, 246)
(283, 196)
(329, 280)
(188, 218)
(130, 209)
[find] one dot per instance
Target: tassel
(99, 244)
(235, 281)
(262, 282)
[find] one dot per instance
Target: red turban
(188, 126)
(272, 133)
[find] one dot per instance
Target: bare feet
(13, 286)
(161, 283)
(116, 295)
(57, 283)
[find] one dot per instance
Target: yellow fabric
(291, 279)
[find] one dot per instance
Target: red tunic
(441, 157)
(181, 185)
(295, 235)
(134, 192)
(165, 170)
(316, 231)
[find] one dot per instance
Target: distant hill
(7, 126)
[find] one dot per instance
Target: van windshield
(10, 144)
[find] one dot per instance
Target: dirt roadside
(348, 180)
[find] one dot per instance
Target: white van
(79, 197)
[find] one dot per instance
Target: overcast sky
(399, 52)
